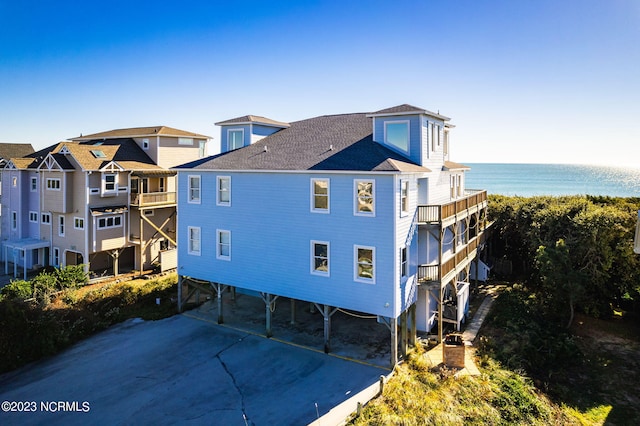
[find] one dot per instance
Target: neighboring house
(362, 212)
(12, 150)
(106, 200)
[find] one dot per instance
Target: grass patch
(32, 330)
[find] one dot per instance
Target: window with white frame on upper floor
(223, 197)
(185, 141)
(445, 144)
(235, 138)
(437, 127)
(61, 226)
(404, 196)
(223, 243)
(320, 258)
(14, 181)
(202, 145)
(108, 222)
(33, 217)
(34, 184)
(459, 185)
(396, 134)
(320, 195)
(193, 196)
(431, 136)
(364, 197)
(193, 235)
(45, 218)
(109, 183)
(364, 264)
(145, 143)
(78, 223)
(14, 220)
(53, 184)
(452, 185)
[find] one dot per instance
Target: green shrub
(71, 276)
(19, 289)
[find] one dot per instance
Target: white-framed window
(403, 262)
(53, 184)
(223, 244)
(396, 134)
(145, 144)
(202, 145)
(459, 185)
(235, 138)
(162, 185)
(320, 258)
(61, 226)
(365, 264)
(452, 185)
(34, 184)
(437, 135)
(320, 195)
(45, 218)
(446, 142)
(109, 183)
(78, 223)
(194, 189)
(364, 197)
(223, 197)
(110, 222)
(193, 247)
(14, 220)
(185, 141)
(404, 196)
(33, 217)
(56, 257)
(14, 181)
(432, 127)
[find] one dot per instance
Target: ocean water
(553, 179)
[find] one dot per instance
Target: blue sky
(524, 81)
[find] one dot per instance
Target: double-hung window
(320, 258)
(194, 190)
(365, 266)
(223, 243)
(46, 218)
(53, 184)
(34, 184)
(224, 191)
(109, 184)
(110, 222)
(56, 257)
(194, 240)
(320, 195)
(14, 220)
(78, 223)
(364, 197)
(235, 139)
(33, 217)
(61, 226)
(404, 196)
(403, 262)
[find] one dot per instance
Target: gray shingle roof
(408, 109)
(15, 150)
(139, 132)
(253, 119)
(331, 142)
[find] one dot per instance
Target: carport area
(184, 369)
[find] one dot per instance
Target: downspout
(86, 221)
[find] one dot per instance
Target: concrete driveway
(181, 370)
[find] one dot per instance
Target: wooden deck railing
(439, 213)
(436, 272)
(153, 198)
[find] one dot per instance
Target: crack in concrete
(233, 379)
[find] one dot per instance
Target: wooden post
(403, 333)
(327, 329)
(440, 313)
(394, 341)
(267, 302)
(219, 290)
(414, 329)
(179, 293)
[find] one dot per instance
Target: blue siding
(415, 148)
(224, 143)
(260, 130)
(271, 232)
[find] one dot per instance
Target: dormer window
(145, 143)
(396, 134)
(235, 139)
(109, 184)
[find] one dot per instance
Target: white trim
(356, 211)
(356, 263)
(219, 244)
(395, 147)
(48, 216)
(425, 173)
(55, 257)
(109, 192)
(31, 215)
(145, 141)
(406, 263)
(189, 240)
(313, 196)
(62, 223)
(106, 218)
(194, 200)
(31, 181)
(403, 212)
(312, 254)
(219, 202)
(241, 129)
(53, 187)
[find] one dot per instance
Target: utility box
(453, 351)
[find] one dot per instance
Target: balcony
(455, 209)
(153, 199)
